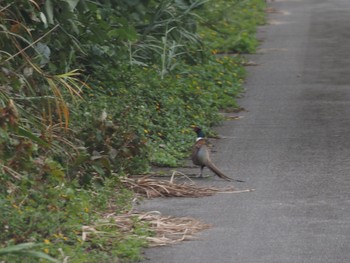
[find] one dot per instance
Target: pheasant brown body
(201, 157)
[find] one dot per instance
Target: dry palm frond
(151, 188)
(167, 230)
(170, 230)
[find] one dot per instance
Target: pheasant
(201, 157)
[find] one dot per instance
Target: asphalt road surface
(292, 146)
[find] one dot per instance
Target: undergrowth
(148, 70)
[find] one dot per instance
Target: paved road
(292, 146)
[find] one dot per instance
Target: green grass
(230, 26)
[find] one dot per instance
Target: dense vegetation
(92, 90)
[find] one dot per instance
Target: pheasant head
(199, 132)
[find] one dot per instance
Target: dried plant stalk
(151, 188)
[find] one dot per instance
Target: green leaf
(43, 19)
(24, 249)
(42, 255)
(124, 34)
(49, 11)
(72, 4)
(16, 248)
(29, 135)
(98, 169)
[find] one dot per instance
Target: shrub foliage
(92, 90)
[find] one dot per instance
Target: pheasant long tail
(216, 170)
